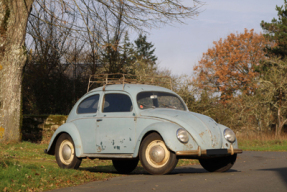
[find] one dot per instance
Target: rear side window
(117, 103)
(89, 105)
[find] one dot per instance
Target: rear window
(89, 105)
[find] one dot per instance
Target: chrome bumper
(209, 152)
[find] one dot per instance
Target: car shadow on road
(188, 170)
(141, 171)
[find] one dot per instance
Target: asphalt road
(253, 171)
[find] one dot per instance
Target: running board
(107, 156)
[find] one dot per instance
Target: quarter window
(89, 105)
(116, 102)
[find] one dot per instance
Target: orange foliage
(229, 66)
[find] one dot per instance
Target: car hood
(204, 130)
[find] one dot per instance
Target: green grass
(263, 145)
(25, 167)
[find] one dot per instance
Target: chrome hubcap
(67, 152)
(157, 154)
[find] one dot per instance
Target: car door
(116, 124)
(86, 122)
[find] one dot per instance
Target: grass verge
(25, 167)
(262, 142)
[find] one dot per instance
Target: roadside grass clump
(262, 142)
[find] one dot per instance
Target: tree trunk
(13, 21)
(281, 123)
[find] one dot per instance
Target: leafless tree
(13, 21)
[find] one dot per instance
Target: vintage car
(131, 122)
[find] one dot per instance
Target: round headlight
(182, 135)
(229, 135)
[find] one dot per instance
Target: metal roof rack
(120, 78)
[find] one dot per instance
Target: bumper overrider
(209, 152)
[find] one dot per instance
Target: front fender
(167, 131)
(226, 144)
(70, 129)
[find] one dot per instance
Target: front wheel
(65, 153)
(218, 164)
(155, 157)
(125, 166)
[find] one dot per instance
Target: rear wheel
(155, 157)
(218, 164)
(125, 166)
(65, 153)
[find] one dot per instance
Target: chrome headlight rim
(229, 135)
(182, 135)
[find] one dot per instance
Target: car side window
(116, 102)
(89, 105)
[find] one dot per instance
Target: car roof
(132, 88)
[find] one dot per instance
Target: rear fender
(70, 129)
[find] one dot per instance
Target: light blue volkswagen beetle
(131, 122)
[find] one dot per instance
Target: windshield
(154, 99)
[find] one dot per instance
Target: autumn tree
(13, 21)
(276, 31)
(229, 67)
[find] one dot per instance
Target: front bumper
(209, 152)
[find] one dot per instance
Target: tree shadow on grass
(282, 172)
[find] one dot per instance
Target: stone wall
(40, 128)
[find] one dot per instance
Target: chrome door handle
(99, 120)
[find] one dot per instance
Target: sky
(180, 47)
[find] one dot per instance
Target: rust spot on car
(99, 149)
(189, 146)
(103, 147)
(215, 141)
(201, 134)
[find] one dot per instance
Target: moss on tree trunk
(13, 21)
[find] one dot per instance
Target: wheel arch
(166, 130)
(72, 131)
